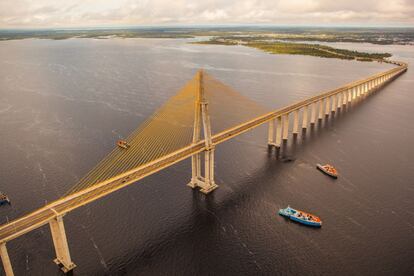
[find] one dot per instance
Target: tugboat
(4, 198)
(301, 217)
(328, 169)
(123, 144)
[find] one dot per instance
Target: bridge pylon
(57, 229)
(206, 183)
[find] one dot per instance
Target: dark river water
(63, 104)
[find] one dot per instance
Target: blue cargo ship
(301, 217)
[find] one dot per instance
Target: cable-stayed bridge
(182, 129)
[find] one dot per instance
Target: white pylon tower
(205, 183)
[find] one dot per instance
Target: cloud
(75, 13)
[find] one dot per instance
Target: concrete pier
(285, 127)
(305, 117)
(8, 269)
(295, 121)
(60, 242)
(320, 110)
(278, 132)
(313, 114)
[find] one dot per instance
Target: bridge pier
(313, 114)
(6, 260)
(305, 117)
(328, 106)
(271, 135)
(278, 132)
(333, 103)
(320, 110)
(295, 122)
(208, 184)
(61, 244)
(195, 170)
(285, 126)
(340, 100)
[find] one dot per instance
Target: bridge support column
(271, 134)
(328, 106)
(285, 127)
(295, 121)
(6, 260)
(334, 103)
(278, 132)
(61, 244)
(208, 184)
(313, 114)
(354, 93)
(340, 100)
(344, 97)
(305, 117)
(195, 170)
(350, 94)
(320, 110)
(358, 91)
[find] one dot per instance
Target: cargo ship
(328, 169)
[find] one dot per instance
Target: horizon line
(189, 26)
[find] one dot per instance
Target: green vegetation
(280, 47)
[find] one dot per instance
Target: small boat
(123, 144)
(4, 198)
(301, 217)
(328, 169)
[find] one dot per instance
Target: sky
(106, 13)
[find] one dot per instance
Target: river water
(63, 104)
